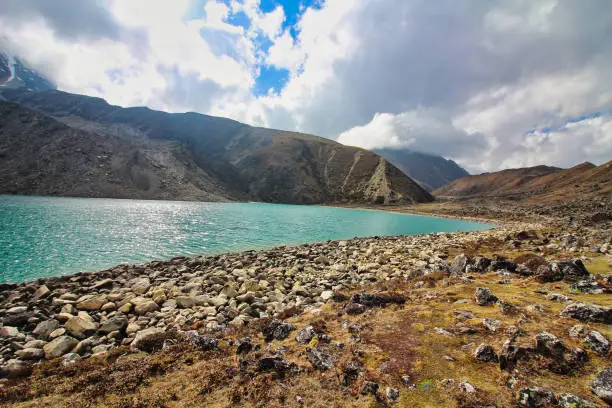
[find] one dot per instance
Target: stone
(466, 387)
(355, 308)
(126, 308)
(588, 312)
(598, 343)
(139, 285)
(589, 286)
(116, 323)
(57, 333)
(248, 297)
(602, 385)
(204, 343)
(146, 307)
(41, 292)
(507, 308)
(275, 363)
(549, 345)
(350, 373)
(143, 337)
(485, 353)
(80, 328)
(108, 307)
(327, 295)
(579, 331)
(91, 304)
(244, 346)
(369, 387)
(573, 271)
(30, 354)
(549, 273)
(229, 292)
(69, 359)
(59, 346)
(15, 369)
(35, 344)
(305, 335)
(557, 297)
(103, 284)
(16, 319)
(319, 360)
(484, 296)
(536, 397)
(8, 331)
(572, 401)
(277, 330)
(393, 394)
(376, 299)
(491, 324)
(459, 264)
(132, 328)
(510, 354)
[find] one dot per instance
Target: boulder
(41, 292)
(602, 385)
(549, 345)
(536, 397)
(15, 369)
(146, 307)
(588, 312)
(511, 354)
(572, 401)
(116, 323)
(277, 330)
(319, 360)
(305, 335)
(8, 332)
(80, 328)
(484, 296)
(376, 299)
(59, 347)
(91, 304)
(459, 265)
(139, 285)
(485, 353)
(144, 337)
(30, 354)
(573, 271)
(598, 343)
(369, 388)
(275, 363)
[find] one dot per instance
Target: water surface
(49, 236)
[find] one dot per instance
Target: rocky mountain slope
(431, 171)
(539, 183)
(14, 73)
(246, 163)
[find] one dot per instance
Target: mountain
(16, 74)
(429, 170)
(187, 156)
(537, 183)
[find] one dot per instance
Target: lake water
(48, 236)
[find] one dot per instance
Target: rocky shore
(204, 300)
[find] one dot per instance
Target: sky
(492, 84)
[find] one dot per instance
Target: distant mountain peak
(14, 73)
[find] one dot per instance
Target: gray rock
(588, 312)
(536, 397)
(113, 324)
(598, 343)
(572, 401)
(393, 394)
(588, 286)
(485, 353)
(369, 387)
(275, 363)
(557, 297)
(30, 354)
(277, 330)
(549, 345)
(92, 304)
(15, 369)
(70, 358)
(146, 335)
(573, 271)
(484, 296)
(41, 292)
(140, 285)
(8, 331)
(459, 264)
(491, 324)
(59, 347)
(319, 360)
(355, 308)
(80, 328)
(602, 385)
(146, 307)
(466, 387)
(305, 335)
(579, 331)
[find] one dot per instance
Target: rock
(588, 312)
(108, 307)
(369, 387)
(392, 394)
(579, 331)
(598, 343)
(371, 300)
(70, 358)
(319, 360)
(145, 337)
(549, 273)
(305, 335)
(572, 401)
(536, 397)
(557, 297)
(589, 286)
(466, 387)
(59, 347)
(510, 354)
(549, 345)
(484, 296)
(350, 373)
(602, 385)
(57, 333)
(146, 307)
(103, 284)
(491, 324)
(204, 343)
(277, 330)
(327, 295)
(276, 363)
(244, 346)
(459, 265)
(35, 344)
(8, 332)
(355, 308)
(485, 353)
(140, 285)
(15, 369)
(573, 271)
(80, 328)
(91, 304)
(30, 354)
(41, 292)
(16, 319)
(507, 308)
(248, 297)
(116, 323)
(132, 328)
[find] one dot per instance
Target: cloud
(492, 84)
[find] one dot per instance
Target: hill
(240, 162)
(535, 183)
(429, 170)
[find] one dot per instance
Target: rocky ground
(515, 316)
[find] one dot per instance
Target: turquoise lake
(49, 236)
